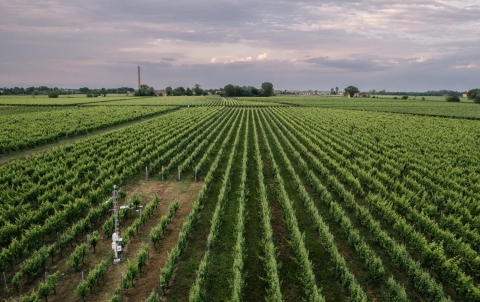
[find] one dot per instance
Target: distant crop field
(164, 101)
(191, 101)
(245, 200)
(26, 126)
(435, 106)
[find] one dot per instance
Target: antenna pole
(116, 240)
(115, 208)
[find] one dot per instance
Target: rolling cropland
(240, 199)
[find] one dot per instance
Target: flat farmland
(249, 200)
(431, 106)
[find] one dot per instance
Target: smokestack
(139, 78)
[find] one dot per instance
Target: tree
(84, 90)
(169, 91)
(452, 99)
(179, 91)
(229, 90)
(472, 93)
(189, 91)
(332, 92)
(150, 91)
(267, 89)
(53, 94)
(477, 99)
(404, 97)
(336, 90)
(145, 90)
(198, 90)
(351, 90)
(239, 91)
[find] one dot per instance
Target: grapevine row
(195, 290)
(239, 248)
(456, 277)
(398, 253)
(312, 292)
(271, 265)
(156, 233)
(166, 272)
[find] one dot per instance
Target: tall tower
(139, 78)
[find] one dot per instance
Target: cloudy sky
(396, 45)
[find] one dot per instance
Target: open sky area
(398, 45)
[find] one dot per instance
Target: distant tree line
(231, 90)
(105, 91)
(145, 90)
(44, 90)
(333, 91)
(426, 93)
(40, 90)
(196, 90)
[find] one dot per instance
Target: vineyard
(241, 200)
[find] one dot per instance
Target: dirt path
(185, 192)
(6, 158)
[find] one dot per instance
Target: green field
(434, 106)
(260, 199)
(191, 101)
(26, 127)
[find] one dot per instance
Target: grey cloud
(359, 65)
(283, 74)
(47, 35)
